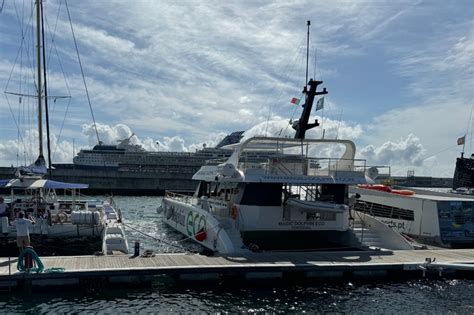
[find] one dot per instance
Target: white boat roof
(447, 197)
(341, 171)
(268, 144)
(422, 194)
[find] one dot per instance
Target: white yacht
(68, 216)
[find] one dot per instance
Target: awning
(28, 183)
(3, 182)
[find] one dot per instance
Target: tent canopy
(28, 183)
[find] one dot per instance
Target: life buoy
(61, 217)
(234, 212)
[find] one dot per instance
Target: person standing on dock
(22, 231)
(3, 208)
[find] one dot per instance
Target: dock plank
(251, 262)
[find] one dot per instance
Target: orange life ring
(233, 212)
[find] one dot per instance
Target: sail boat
(66, 218)
(276, 193)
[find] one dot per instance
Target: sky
(180, 74)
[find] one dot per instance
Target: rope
(16, 120)
(82, 71)
(153, 237)
(21, 261)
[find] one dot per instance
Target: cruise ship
(126, 156)
(128, 169)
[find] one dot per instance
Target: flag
(295, 100)
(461, 140)
(320, 103)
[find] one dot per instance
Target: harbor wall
(120, 182)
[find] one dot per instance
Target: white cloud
(113, 134)
(107, 134)
(408, 151)
(25, 151)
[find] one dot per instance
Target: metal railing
(305, 166)
(180, 197)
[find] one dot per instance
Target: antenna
(469, 125)
(307, 53)
(315, 62)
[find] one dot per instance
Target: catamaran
(278, 193)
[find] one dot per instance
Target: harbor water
(438, 296)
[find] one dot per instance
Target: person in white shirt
(22, 230)
(3, 208)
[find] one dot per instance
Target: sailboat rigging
(68, 218)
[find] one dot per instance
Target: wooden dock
(274, 265)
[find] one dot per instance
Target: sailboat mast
(40, 84)
(46, 109)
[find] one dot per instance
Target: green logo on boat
(195, 219)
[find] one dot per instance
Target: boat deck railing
(180, 197)
(303, 166)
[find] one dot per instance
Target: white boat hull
(440, 219)
(192, 221)
(225, 229)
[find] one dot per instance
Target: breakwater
(136, 182)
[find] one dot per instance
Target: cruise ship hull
(113, 181)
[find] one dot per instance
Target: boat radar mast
(302, 125)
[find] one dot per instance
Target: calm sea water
(414, 296)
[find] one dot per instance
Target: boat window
(262, 194)
(227, 190)
(214, 187)
(384, 211)
(203, 189)
(333, 193)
